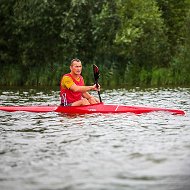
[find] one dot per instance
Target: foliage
(134, 42)
(174, 15)
(8, 44)
(141, 37)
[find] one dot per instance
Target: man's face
(76, 68)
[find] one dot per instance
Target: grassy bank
(110, 77)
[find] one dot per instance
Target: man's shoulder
(67, 78)
(67, 75)
(67, 81)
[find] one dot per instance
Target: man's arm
(82, 89)
(67, 82)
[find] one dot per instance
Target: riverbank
(109, 77)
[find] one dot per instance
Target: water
(53, 151)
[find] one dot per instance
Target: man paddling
(73, 91)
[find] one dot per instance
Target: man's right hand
(95, 87)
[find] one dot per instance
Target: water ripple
(50, 151)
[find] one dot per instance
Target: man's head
(76, 67)
(74, 60)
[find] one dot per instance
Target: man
(73, 92)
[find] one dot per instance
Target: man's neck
(75, 76)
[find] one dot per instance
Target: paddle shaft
(96, 77)
(98, 92)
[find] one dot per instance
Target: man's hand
(95, 87)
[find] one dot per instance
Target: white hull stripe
(117, 108)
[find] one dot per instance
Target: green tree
(129, 39)
(141, 37)
(174, 15)
(8, 44)
(105, 24)
(180, 63)
(38, 27)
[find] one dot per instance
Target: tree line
(134, 42)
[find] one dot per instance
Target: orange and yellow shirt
(67, 95)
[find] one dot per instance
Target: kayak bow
(95, 108)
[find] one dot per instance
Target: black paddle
(96, 77)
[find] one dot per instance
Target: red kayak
(95, 108)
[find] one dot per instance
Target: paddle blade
(96, 72)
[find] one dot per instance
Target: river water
(53, 151)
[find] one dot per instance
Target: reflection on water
(96, 151)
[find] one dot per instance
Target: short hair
(75, 59)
